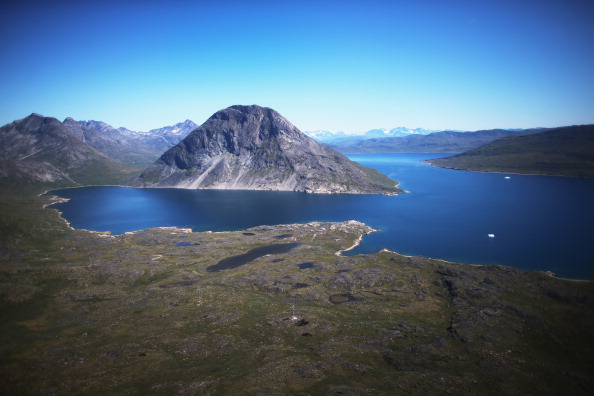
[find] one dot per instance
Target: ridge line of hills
(566, 151)
(435, 142)
(43, 150)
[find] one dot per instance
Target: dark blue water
(539, 222)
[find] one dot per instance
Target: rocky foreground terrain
(152, 312)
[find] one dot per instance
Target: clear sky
(331, 65)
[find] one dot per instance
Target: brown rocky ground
(85, 313)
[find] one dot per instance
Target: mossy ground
(85, 313)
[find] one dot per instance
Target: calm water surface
(539, 222)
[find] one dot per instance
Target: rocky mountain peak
(254, 147)
(35, 123)
(240, 129)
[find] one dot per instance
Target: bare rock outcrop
(255, 148)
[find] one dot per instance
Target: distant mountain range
(135, 148)
(332, 137)
(43, 150)
(40, 149)
(567, 151)
(436, 142)
(255, 148)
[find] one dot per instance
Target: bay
(538, 222)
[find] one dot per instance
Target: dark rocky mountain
(255, 148)
(438, 142)
(135, 148)
(567, 151)
(42, 150)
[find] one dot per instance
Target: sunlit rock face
(255, 148)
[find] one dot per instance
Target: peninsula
(159, 311)
(567, 151)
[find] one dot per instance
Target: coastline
(123, 290)
(356, 243)
(53, 200)
(108, 234)
(500, 172)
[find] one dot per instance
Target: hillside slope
(567, 151)
(438, 142)
(40, 149)
(130, 147)
(255, 148)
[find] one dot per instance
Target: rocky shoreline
(140, 313)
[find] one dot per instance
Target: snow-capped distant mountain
(132, 147)
(403, 131)
(327, 136)
(174, 134)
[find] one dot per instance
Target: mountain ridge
(254, 147)
(565, 151)
(39, 149)
(436, 142)
(131, 147)
(328, 137)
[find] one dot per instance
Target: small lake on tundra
(538, 222)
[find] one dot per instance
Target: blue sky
(332, 65)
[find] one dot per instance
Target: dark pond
(186, 244)
(241, 259)
(342, 298)
(306, 265)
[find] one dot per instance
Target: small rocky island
(255, 148)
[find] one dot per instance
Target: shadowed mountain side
(40, 149)
(438, 142)
(567, 151)
(255, 148)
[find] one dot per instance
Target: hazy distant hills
(567, 151)
(135, 148)
(437, 142)
(41, 149)
(255, 148)
(328, 137)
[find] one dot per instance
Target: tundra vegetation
(141, 313)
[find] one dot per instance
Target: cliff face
(255, 148)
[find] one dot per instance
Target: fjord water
(539, 222)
